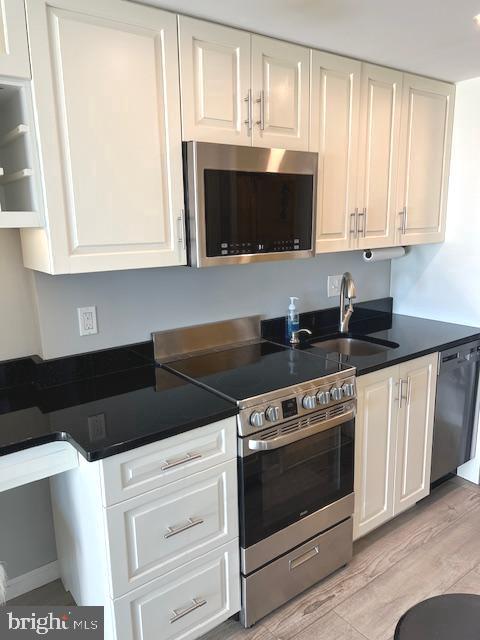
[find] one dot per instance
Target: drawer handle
(191, 522)
(297, 562)
(180, 613)
(170, 464)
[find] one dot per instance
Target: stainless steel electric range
(295, 453)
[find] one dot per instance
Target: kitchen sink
(354, 346)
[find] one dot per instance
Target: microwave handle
(282, 441)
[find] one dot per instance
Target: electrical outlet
(97, 429)
(87, 320)
(333, 285)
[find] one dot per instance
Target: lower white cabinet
(184, 604)
(165, 560)
(393, 448)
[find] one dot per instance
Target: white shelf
(12, 135)
(19, 219)
(16, 175)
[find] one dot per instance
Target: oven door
(294, 477)
(248, 204)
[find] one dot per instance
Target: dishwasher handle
(459, 357)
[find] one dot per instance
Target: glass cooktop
(253, 369)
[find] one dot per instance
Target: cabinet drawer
(184, 604)
(155, 465)
(154, 533)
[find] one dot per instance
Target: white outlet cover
(333, 285)
(87, 320)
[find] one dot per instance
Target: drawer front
(155, 465)
(159, 531)
(184, 604)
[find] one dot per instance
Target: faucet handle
(295, 339)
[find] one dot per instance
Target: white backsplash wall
(132, 304)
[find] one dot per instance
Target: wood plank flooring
(433, 548)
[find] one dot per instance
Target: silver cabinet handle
(305, 557)
(249, 120)
(281, 441)
(170, 464)
(354, 230)
(403, 226)
(180, 613)
(181, 229)
(363, 215)
(173, 531)
(261, 101)
(402, 397)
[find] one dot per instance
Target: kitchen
(378, 144)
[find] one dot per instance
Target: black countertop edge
(121, 447)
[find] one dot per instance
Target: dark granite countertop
(114, 410)
(415, 337)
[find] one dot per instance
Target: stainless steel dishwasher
(454, 434)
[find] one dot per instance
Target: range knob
(272, 414)
(348, 389)
(323, 397)
(336, 393)
(257, 419)
(309, 402)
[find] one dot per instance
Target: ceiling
(437, 38)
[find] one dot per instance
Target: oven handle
(281, 441)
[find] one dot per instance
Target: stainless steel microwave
(247, 204)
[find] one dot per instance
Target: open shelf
(13, 134)
(20, 197)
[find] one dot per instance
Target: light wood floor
(434, 548)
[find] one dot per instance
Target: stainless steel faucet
(347, 290)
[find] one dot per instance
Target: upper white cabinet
(335, 102)
(105, 76)
(393, 441)
(281, 93)
(381, 104)
(14, 59)
(215, 82)
(425, 147)
(239, 88)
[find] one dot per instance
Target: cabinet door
(380, 110)
(215, 82)
(281, 90)
(334, 135)
(375, 441)
(109, 124)
(418, 380)
(14, 59)
(425, 146)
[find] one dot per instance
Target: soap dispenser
(293, 319)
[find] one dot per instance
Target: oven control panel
(307, 399)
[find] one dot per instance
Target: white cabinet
(334, 113)
(418, 380)
(156, 541)
(375, 442)
(281, 93)
(14, 59)
(381, 103)
(215, 82)
(425, 147)
(106, 91)
(239, 88)
(393, 447)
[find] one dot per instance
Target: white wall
(132, 304)
(18, 325)
(443, 281)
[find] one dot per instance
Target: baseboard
(32, 580)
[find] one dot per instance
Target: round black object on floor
(451, 616)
